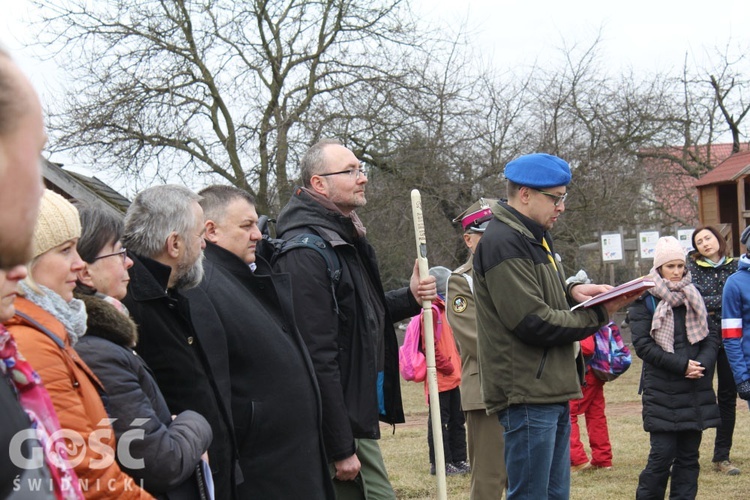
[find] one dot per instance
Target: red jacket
(447, 358)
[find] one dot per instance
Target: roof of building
(727, 171)
(79, 187)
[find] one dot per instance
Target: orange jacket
(447, 359)
(74, 392)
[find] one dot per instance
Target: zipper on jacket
(541, 364)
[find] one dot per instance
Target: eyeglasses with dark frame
(557, 198)
(123, 253)
(356, 172)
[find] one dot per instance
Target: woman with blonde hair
(46, 326)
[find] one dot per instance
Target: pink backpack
(411, 359)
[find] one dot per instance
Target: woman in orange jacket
(47, 323)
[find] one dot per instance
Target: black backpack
(271, 248)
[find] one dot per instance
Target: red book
(634, 287)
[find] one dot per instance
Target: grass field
(406, 451)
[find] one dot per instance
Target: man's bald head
(22, 138)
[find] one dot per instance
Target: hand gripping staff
(429, 340)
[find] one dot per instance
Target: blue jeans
(537, 450)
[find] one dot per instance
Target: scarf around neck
(71, 314)
(675, 294)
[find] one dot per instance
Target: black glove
(743, 390)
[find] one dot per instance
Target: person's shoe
(580, 467)
(600, 467)
(726, 467)
(452, 470)
(432, 469)
(462, 466)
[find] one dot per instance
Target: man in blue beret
(529, 359)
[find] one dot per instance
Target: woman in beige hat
(47, 323)
(678, 346)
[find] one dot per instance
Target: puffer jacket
(672, 402)
(342, 346)
(165, 452)
(526, 333)
(709, 281)
(75, 393)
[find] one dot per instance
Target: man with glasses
(529, 359)
(348, 327)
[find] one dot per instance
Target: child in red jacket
(591, 405)
(448, 367)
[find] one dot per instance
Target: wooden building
(724, 198)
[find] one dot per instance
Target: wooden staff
(429, 340)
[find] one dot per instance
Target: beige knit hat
(57, 223)
(667, 249)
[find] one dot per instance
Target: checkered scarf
(675, 294)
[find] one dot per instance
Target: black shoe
(463, 466)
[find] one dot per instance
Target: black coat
(169, 449)
(179, 361)
(343, 347)
(276, 405)
(672, 402)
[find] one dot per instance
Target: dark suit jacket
(276, 404)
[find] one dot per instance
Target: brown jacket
(74, 390)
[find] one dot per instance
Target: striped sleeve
(731, 329)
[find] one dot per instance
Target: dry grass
(406, 451)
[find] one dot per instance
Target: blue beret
(538, 171)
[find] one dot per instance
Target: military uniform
(485, 434)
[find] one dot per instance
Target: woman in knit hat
(46, 326)
(170, 448)
(678, 346)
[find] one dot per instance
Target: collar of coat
(105, 321)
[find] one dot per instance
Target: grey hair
(154, 214)
(215, 200)
(441, 275)
(313, 161)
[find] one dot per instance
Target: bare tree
(174, 88)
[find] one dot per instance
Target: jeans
(537, 450)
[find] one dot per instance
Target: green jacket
(527, 334)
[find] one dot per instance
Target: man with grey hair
(164, 237)
(348, 327)
(276, 406)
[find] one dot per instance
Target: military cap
(477, 216)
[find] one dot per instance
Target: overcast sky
(647, 35)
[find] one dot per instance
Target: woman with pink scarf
(671, 334)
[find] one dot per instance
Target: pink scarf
(35, 400)
(675, 294)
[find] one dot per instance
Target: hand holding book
(631, 289)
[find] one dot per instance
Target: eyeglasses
(356, 172)
(123, 253)
(558, 198)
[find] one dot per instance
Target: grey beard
(189, 277)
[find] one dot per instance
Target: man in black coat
(350, 336)
(276, 407)
(164, 237)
